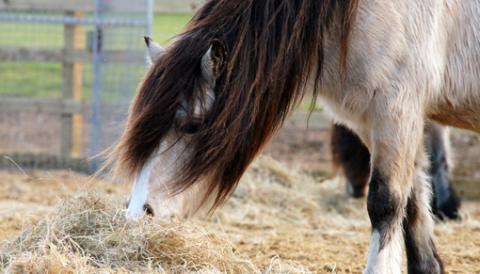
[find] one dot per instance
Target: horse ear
(155, 51)
(214, 61)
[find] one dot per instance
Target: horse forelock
(273, 47)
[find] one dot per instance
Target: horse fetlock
(386, 259)
(418, 232)
(421, 252)
(429, 267)
(385, 209)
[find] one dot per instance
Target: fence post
(72, 124)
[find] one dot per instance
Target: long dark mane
(273, 47)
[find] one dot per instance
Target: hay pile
(278, 221)
(88, 234)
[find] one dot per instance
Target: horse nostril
(148, 209)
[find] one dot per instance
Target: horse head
(213, 98)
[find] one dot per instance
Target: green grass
(30, 79)
(45, 79)
(31, 35)
(166, 26)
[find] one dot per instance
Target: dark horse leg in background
(446, 202)
(353, 158)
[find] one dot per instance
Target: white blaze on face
(141, 186)
(139, 195)
(155, 190)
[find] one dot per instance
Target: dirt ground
(280, 220)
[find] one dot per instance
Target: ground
(278, 221)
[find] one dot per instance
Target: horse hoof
(450, 209)
(355, 192)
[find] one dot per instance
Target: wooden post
(72, 124)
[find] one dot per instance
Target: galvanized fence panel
(68, 71)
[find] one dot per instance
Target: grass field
(165, 26)
(45, 79)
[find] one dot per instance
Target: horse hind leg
(353, 158)
(418, 227)
(446, 203)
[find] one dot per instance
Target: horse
(350, 156)
(215, 97)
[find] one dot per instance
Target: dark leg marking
(383, 206)
(353, 157)
(420, 261)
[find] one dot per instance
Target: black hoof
(450, 209)
(431, 268)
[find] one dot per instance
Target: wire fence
(68, 71)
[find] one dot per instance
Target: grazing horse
(214, 98)
(351, 156)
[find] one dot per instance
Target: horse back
(458, 103)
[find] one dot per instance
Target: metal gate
(68, 71)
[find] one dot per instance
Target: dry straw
(278, 221)
(88, 232)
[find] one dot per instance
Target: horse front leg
(395, 136)
(418, 225)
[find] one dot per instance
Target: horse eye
(189, 127)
